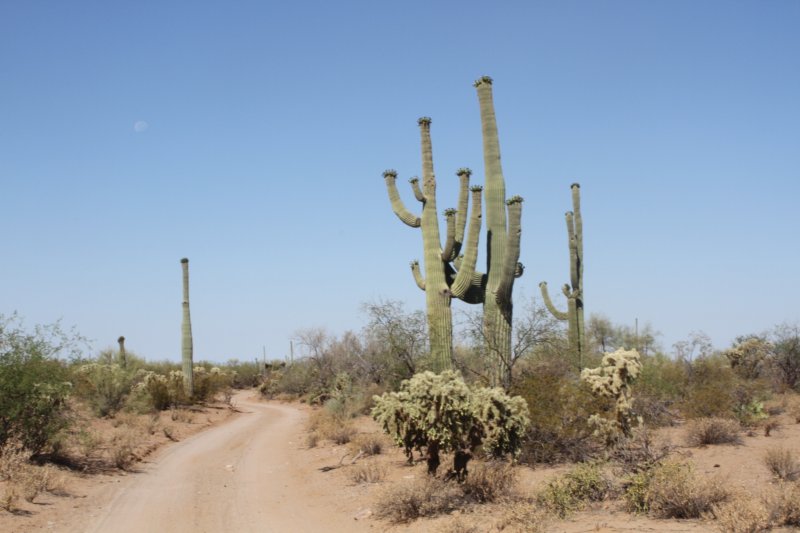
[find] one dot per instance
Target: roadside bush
(34, 383)
(368, 443)
(706, 431)
(158, 391)
(425, 497)
(105, 386)
(209, 382)
(244, 374)
(369, 472)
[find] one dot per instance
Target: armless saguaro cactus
(503, 238)
(440, 282)
(573, 293)
(122, 356)
(187, 350)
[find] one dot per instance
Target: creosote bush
(706, 431)
(438, 412)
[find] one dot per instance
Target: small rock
(362, 514)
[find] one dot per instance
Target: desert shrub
(706, 431)
(122, 448)
(566, 494)
(782, 463)
(489, 482)
(784, 505)
(105, 386)
(244, 374)
(438, 412)
(613, 380)
(672, 490)
(425, 497)
(159, 391)
(458, 525)
(748, 356)
(327, 424)
(368, 472)
(742, 514)
(785, 360)
(368, 443)
(34, 383)
(521, 516)
(639, 452)
(659, 388)
(296, 379)
(559, 409)
(209, 382)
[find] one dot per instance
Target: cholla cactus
(439, 413)
(612, 379)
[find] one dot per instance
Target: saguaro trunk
(123, 359)
(187, 350)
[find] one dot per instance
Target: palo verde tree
(187, 349)
(574, 291)
(448, 272)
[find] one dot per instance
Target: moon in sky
(140, 125)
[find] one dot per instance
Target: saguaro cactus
(187, 350)
(573, 293)
(441, 282)
(123, 360)
(449, 274)
(503, 237)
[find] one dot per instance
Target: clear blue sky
(251, 137)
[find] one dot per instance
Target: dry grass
(489, 482)
(458, 525)
(742, 514)
(783, 464)
(121, 449)
(368, 443)
(25, 480)
(706, 431)
(672, 490)
(641, 451)
(328, 426)
(784, 505)
(368, 472)
(523, 516)
(408, 501)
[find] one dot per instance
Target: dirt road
(246, 475)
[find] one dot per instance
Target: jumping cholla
(573, 293)
(613, 379)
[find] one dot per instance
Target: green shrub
(209, 382)
(34, 383)
(104, 386)
(157, 392)
(570, 492)
(559, 408)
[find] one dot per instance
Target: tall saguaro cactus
(448, 272)
(441, 282)
(573, 292)
(123, 358)
(187, 350)
(503, 237)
